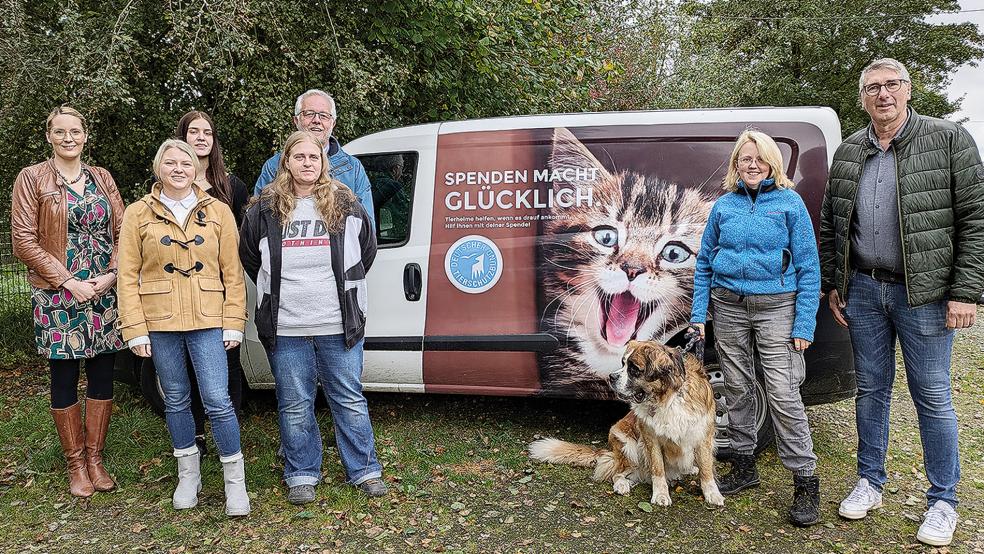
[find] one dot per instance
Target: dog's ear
(679, 362)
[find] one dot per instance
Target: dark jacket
(941, 211)
(352, 251)
(240, 197)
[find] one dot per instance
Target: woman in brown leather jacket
(65, 222)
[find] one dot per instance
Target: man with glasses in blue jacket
(315, 112)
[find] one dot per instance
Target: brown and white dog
(667, 434)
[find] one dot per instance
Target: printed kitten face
(619, 270)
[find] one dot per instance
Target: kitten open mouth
(621, 316)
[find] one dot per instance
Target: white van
(507, 247)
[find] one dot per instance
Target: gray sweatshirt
(308, 294)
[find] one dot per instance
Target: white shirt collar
(187, 202)
(180, 208)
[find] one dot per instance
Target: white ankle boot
(234, 472)
(189, 478)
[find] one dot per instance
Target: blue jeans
(299, 364)
(878, 312)
(169, 350)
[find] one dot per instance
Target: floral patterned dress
(66, 329)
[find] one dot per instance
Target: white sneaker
(864, 497)
(938, 525)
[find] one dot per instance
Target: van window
(392, 177)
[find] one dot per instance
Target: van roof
(821, 116)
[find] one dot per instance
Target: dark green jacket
(941, 211)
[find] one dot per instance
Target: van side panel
(457, 314)
(552, 247)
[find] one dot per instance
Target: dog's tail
(606, 467)
(556, 451)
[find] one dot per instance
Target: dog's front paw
(622, 486)
(711, 493)
(661, 499)
(714, 498)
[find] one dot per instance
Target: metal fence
(16, 323)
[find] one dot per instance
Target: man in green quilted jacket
(902, 256)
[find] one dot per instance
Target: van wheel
(763, 420)
(151, 387)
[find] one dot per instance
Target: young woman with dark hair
(198, 130)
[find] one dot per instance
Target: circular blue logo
(473, 264)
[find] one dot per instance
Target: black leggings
(65, 380)
(235, 389)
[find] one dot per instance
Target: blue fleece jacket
(344, 167)
(760, 246)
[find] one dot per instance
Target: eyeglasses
(311, 115)
(892, 85)
(747, 161)
(60, 134)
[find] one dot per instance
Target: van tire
(765, 433)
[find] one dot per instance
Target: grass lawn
(461, 483)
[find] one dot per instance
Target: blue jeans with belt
(170, 350)
(877, 313)
(299, 364)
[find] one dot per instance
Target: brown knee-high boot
(68, 422)
(97, 414)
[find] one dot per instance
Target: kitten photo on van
(621, 269)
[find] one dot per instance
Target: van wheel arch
(150, 386)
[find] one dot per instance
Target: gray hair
(314, 92)
(882, 63)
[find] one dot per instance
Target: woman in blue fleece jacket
(759, 270)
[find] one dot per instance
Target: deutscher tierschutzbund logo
(473, 264)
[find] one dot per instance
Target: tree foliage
(134, 66)
(811, 52)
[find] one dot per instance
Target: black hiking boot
(805, 510)
(743, 475)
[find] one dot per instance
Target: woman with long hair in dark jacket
(307, 243)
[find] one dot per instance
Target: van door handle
(412, 282)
